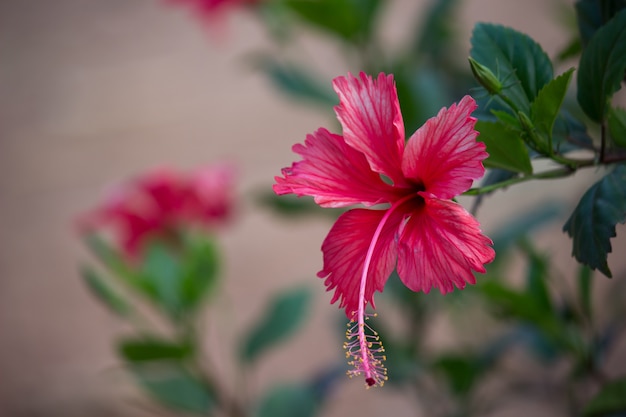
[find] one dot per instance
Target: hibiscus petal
(443, 154)
(345, 249)
(333, 173)
(369, 112)
(439, 247)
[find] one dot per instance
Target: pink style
(431, 240)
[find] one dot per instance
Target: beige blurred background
(95, 91)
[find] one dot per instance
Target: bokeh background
(95, 91)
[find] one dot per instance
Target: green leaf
(547, 105)
(297, 82)
(617, 125)
(610, 401)
(505, 147)
(584, 289)
(283, 316)
(602, 67)
(351, 20)
(592, 14)
(200, 272)
(536, 278)
(518, 61)
(461, 371)
(113, 260)
(175, 388)
(152, 349)
(592, 224)
(437, 30)
(162, 273)
(294, 206)
(293, 400)
(111, 298)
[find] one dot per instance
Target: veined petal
(345, 249)
(439, 247)
(443, 154)
(333, 173)
(369, 112)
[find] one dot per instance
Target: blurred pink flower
(431, 240)
(210, 9)
(161, 203)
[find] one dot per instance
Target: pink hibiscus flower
(161, 203)
(431, 240)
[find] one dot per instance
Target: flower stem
(556, 173)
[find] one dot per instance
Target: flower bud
(485, 77)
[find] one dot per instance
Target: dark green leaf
(505, 147)
(592, 14)
(610, 401)
(293, 400)
(547, 105)
(602, 67)
(283, 316)
(351, 20)
(105, 293)
(518, 61)
(592, 224)
(617, 125)
(152, 349)
(175, 388)
(589, 16)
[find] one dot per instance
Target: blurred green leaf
(297, 82)
(461, 371)
(437, 30)
(176, 388)
(584, 289)
(602, 67)
(547, 105)
(617, 125)
(162, 273)
(422, 92)
(293, 400)
(570, 133)
(592, 224)
(351, 20)
(571, 50)
(519, 62)
(536, 277)
(284, 315)
(114, 261)
(505, 147)
(592, 14)
(292, 206)
(201, 270)
(152, 349)
(610, 401)
(101, 289)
